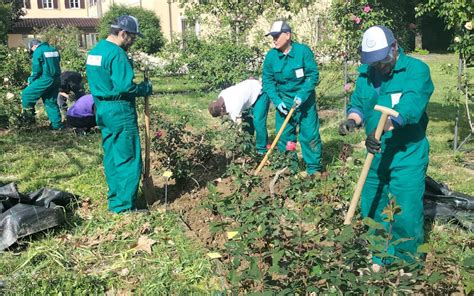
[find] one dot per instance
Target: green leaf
(254, 271)
(276, 257)
(316, 270)
(424, 248)
(468, 262)
(372, 224)
(435, 277)
(401, 240)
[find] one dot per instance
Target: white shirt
(240, 97)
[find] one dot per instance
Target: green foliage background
(218, 62)
(149, 26)
(455, 15)
(10, 10)
(67, 42)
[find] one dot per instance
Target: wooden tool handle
(146, 173)
(368, 162)
(147, 138)
(275, 141)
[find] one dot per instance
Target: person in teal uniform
(111, 80)
(43, 83)
(392, 79)
(290, 75)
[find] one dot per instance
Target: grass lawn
(98, 252)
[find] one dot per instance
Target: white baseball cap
(376, 44)
(279, 27)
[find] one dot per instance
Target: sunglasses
(387, 60)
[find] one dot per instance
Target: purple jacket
(82, 107)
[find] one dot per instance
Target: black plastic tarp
(26, 214)
(442, 203)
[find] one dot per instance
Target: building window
(92, 2)
(47, 4)
(74, 4)
(26, 4)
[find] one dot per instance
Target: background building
(85, 15)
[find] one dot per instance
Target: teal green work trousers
(256, 121)
(307, 119)
(117, 121)
(407, 184)
(47, 90)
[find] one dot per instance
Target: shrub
(150, 27)
(10, 106)
(218, 62)
(179, 150)
(15, 67)
(14, 71)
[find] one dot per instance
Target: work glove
(297, 101)
(282, 108)
(144, 88)
(372, 144)
(347, 126)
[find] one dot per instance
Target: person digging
(71, 88)
(392, 79)
(290, 76)
(245, 102)
(43, 83)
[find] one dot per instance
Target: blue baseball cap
(127, 23)
(376, 44)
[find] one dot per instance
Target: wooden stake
(148, 187)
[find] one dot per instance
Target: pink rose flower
(290, 146)
(268, 146)
(357, 20)
(159, 134)
(367, 9)
(352, 17)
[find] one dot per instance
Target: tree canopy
(10, 11)
(150, 27)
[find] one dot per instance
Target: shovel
(147, 181)
(275, 141)
(368, 161)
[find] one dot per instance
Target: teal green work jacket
(109, 67)
(45, 63)
(290, 75)
(407, 89)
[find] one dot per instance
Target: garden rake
(368, 161)
(147, 181)
(275, 141)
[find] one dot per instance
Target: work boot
(27, 117)
(317, 176)
(79, 131)
(320, 175)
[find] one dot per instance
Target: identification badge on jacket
(299, 73)
(395, 99)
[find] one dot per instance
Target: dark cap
(127, 23)
(32, 43)
(279, 27)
